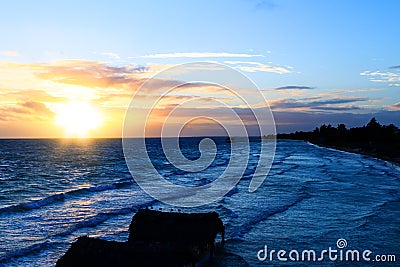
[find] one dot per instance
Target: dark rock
(187, 229)
(156, 239)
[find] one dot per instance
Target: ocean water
(53, 191)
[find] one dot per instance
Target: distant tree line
(374, 139)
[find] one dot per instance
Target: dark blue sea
(53, 191)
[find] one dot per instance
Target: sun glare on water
(78, 118)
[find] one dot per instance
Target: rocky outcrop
(155, 239)
(181, 229)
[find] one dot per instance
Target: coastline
(373, 139)
(359, 151)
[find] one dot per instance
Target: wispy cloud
(90, 74)
(26, 110)
(294, 87)
(306, 105)
(31, 92)
(395, 106)
(57, 82)
(266, 4)
(202, 55)
(252, 66)
(390, 77)
(317, 104)
(10, 53)
(111, 55)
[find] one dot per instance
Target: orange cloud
(10, 53)
(90, 74)
(35, 92)
(29, 110)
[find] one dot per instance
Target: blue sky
(330, 49)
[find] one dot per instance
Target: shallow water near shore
(53, 191)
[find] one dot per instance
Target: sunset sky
(70, 68)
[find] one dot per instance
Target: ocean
(53, 191)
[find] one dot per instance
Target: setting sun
(78, 118)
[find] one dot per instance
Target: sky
(71, 68)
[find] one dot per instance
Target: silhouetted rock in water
(182, 230)
(87, 251)
(156, 239)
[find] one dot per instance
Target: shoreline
(358, 151)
